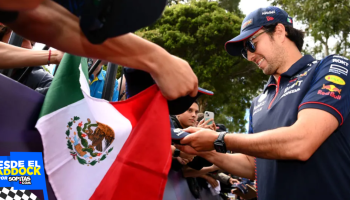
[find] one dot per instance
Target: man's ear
(280, 32)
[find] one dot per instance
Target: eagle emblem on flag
(89, 142)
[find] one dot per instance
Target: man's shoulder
(335, 60)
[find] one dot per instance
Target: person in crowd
(17, 57)
(37, 78)
(299, 125)
(97, 81)
(188, 118)
(48, 22)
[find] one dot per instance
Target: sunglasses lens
(250, 46)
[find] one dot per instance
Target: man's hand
(200, 139)
(214, 168)
(172, 72)
(56, 56)
(186, 156)
(182, 160)
(204, 124)
(211, 181)
(232, 181)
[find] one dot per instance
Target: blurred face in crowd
(6, 33)
(189, 118)
(269, 54)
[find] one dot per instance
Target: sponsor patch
(331, 91)
(337, 69)
(247, 23)
(289, 90)
(262, 97)
(268, 18)
(342, 57)
(268, 12)
(335, 79)
(256, 111)
(342, 62)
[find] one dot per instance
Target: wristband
(48, 61)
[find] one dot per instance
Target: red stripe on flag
(142, 165)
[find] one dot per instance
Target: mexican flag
(95, 149)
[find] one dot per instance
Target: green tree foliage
(197, 32)
(231, 6)
(324, 19)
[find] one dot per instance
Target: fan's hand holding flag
(94, 149)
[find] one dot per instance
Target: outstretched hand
(200, 139)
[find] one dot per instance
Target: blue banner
(23, 171)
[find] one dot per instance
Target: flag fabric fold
(95, 149)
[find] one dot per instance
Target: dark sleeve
(330, 88)
(46, 80)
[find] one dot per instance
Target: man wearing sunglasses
(299, 141)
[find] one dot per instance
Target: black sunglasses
(249, 45)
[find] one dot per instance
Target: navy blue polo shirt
(308, 83)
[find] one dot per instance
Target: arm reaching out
(55, 26)
(16, 57)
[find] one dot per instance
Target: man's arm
(236, 164)
(16, 57)
(297, 142)
(11, 5)
(55, 26)
(189, 172)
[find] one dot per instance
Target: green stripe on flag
(65, 87)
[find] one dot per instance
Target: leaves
(197, 33)
(93, 163)
(67, 132)
(70, 124)
(76, 118)
(324, 19)
(81, 161)
(69, 145)
(109, 150)
(84, 142)
(103, 157)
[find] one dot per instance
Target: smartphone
(208, 115)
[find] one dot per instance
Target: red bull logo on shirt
(331, 91)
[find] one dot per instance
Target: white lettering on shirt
(342, 62)
(337, 69)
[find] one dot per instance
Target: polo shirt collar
(270, 82)
(295, 68)
(299, 65)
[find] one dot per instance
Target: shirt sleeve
(330, 88)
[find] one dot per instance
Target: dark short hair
(295, 35)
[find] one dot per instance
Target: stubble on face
(276, 60)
